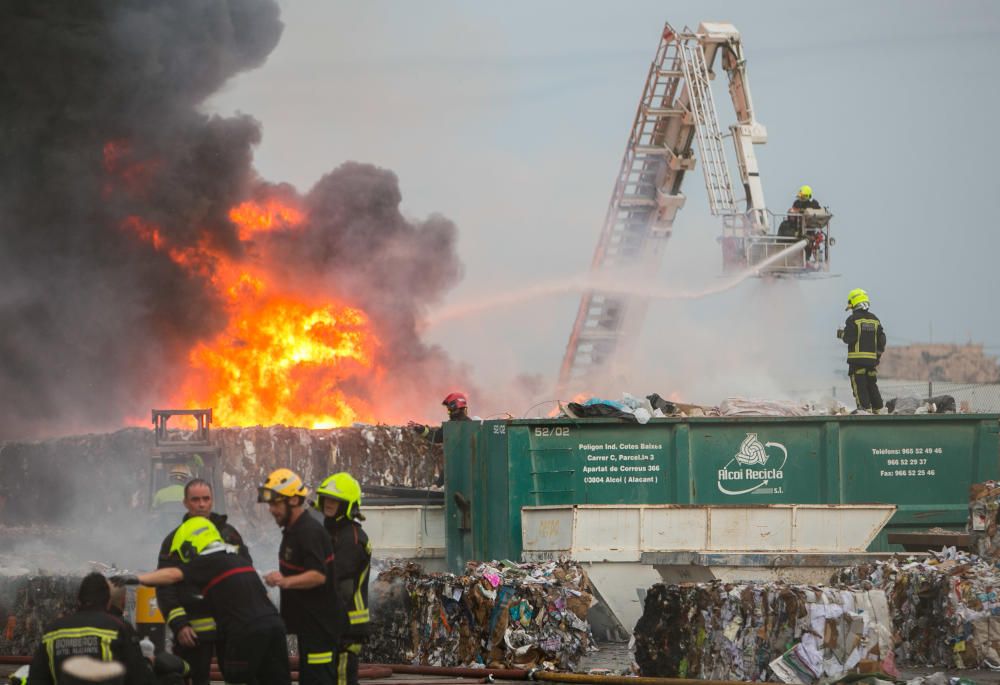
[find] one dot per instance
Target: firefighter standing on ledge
(865, 339)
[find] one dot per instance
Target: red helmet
(455, 401)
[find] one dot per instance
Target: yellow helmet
(805, 192)
(344, 487)
(856, 297)
(281, 484)
(180, 473)
(193, 536)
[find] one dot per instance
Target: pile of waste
(945, 607)
(116, 465)
(28, 604)
(762, 631)
(984, 506)
(497, 615)
(642, 409)
(630, 408)
(911, 404)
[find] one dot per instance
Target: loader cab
(745, 247)
(179, 455)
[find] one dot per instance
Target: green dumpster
(924, 464)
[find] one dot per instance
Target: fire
(252, 217)
(282, 358)
(283, 361)
(578, 398)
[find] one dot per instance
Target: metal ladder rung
(652, 150)
(709, 137)
(631, 226)
(636, 201)
(665, 111)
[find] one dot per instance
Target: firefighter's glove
(416, 427)
(840, 334)
(124, 579)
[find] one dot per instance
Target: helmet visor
(268, 495)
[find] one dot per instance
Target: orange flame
(282, 361)
(252, 217)
(578, 398)
(281, 358)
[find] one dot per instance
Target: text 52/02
(548, 431)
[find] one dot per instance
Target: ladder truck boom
(675, 112)
(747, 131)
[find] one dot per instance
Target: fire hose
(558, 677)
(551, 676)
(364, 671)
(370, 671)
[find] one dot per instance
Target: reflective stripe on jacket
(352, 562)
(865, 338)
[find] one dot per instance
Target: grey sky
(511, 118)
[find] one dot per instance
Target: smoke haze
(102, 122)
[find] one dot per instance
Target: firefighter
(305, 577)
(804, 200)
(174, 492)
(794, 224)
(457, 405)
(91, 631)
(339, 499)
(865, 339)
(195, 631)
(256, 648)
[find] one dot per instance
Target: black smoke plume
(101, 121)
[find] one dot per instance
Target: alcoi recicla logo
(748, 469)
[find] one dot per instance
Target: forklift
(176, 458)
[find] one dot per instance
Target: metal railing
(980, 398)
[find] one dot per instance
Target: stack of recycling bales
(946, 608)
(751, 631)
(498, 615)
(984, 507)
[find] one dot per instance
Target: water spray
(602, 283)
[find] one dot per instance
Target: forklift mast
(192, 449)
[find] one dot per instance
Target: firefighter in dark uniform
(457, 405)
(195, 631)
(794, 224)
(865, 339)
(804, 200)
(93, 632)
(339, 498)
(309, 602)
(256, 646)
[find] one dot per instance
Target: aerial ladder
(675, 113)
